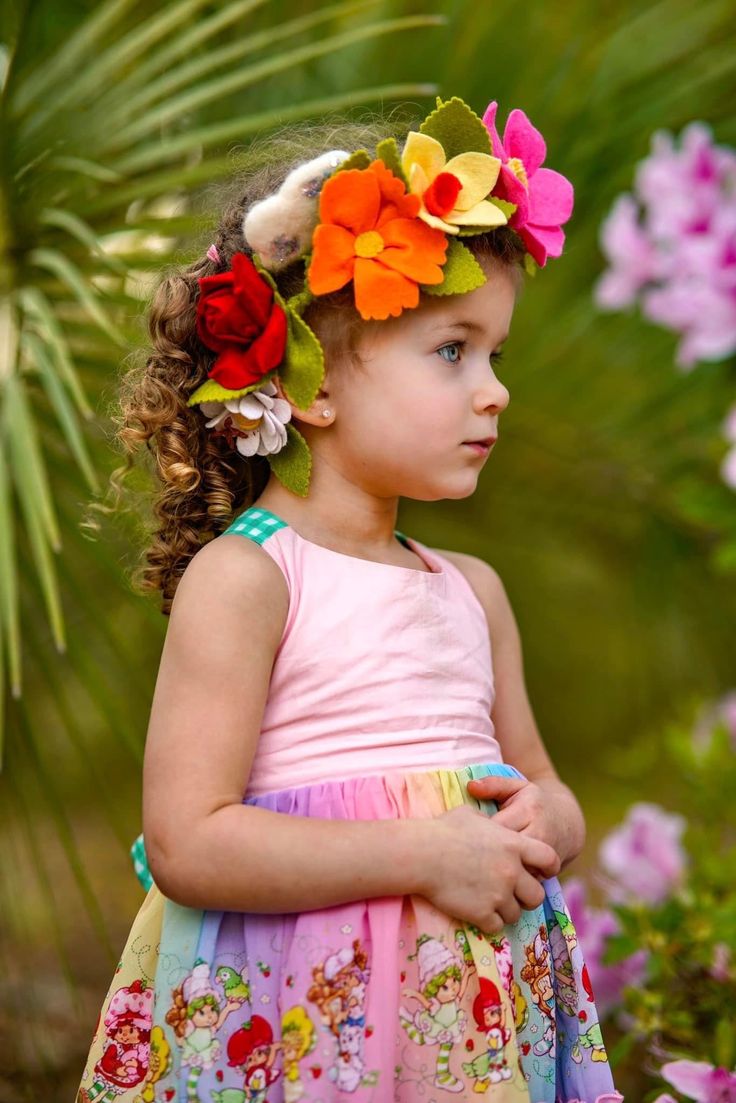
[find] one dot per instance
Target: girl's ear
(321, 412)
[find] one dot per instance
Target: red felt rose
(238, 317)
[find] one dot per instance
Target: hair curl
(200, 482)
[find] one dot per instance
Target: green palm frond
(119, 113)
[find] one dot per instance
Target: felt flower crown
(390, 225)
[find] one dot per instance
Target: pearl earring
(326, 413)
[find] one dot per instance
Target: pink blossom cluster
(699, 1081)
(594, 926)
(672, 244)
(643, 857)
(720, 711)
(642, 860)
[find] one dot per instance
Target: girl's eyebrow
(473, 327)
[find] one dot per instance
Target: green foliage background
(601, 507)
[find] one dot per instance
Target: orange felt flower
(369, 233)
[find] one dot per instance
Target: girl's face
(425, 387)
(206, 1015)
(449, 990)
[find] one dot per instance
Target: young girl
(352, 828)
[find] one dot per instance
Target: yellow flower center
(517, 167)
(369, 244)
(245, 423)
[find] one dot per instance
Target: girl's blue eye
(451, 345)
(494, 358)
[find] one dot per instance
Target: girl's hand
(545, 810)
(479, 870)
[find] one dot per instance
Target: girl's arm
(206, 849)
(550, 809)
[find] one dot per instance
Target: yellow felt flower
(453, 193)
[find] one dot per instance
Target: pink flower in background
(644, 856)
(720, 967)
(544, 198)
(593, 927)
(683, 189)
(673, 244)
(633, 257)
(722, 711)
(701, 1081)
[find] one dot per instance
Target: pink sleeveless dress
(379, 707)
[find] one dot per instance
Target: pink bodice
(379, 668)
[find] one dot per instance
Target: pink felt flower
(644, 855)
(544, 198)
(700, 1081)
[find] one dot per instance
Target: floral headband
(392, 226)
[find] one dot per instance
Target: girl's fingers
(510, 911)
(495, 787)
(513, 818)
(536, 854)
(528, 891)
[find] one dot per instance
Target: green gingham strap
(257, 524)
(140, 863)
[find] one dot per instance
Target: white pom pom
(279, 228)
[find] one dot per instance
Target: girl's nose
(495, 395)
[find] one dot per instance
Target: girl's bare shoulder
(484, 578)
(232, 574)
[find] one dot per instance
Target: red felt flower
(238, 318)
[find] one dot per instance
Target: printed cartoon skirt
(376, 1000)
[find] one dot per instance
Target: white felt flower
(254, 422)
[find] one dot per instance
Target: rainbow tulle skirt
(378, 1000)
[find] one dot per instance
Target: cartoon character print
(593, 1040)
(339, 992)
(505, 965)
(159, 1063)
(124, 1062)
(490, 1067)
(439, 1020)
(563, 937)
(536, 972)
(235, 985)
(197, 1015)
(252, 1050)
(567, 993)
(298, 1038)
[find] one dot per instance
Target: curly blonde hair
(201, 483)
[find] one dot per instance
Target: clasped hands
(545, 809)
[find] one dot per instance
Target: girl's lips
(479, 447)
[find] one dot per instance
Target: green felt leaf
(292, 466)
(361, 159)
(303, 367)
(503, 205)
(530, 264)
(388, 152)
(212, 391)
(457, 128)
(461, 270)
(264, 272)
(302, 299)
